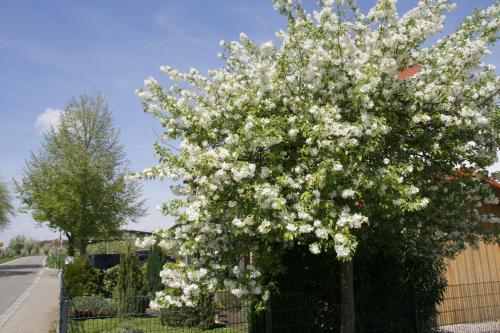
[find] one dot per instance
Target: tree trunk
(347, 320)
(71, 244)
(83, 248)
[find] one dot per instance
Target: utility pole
(59, 250)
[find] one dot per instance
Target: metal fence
(470, 308)
(466, 309)
(220, 312)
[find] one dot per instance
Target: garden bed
(138, 325)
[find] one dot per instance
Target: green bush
(80, 278)
(130, 288)
(137, 324)
(107, 247)
(92, 306)
(201, 316)
(398, 298)
(109, 281)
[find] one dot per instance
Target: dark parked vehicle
(142, 255)
(104, 261)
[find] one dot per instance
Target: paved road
(15, 278)
(28, 296)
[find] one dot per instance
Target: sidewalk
(39, 310)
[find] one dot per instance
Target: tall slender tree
(76, 182)
(6, 207)
(130, 287)
(155, 263)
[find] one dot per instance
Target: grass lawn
(137, 325)
(3, 260)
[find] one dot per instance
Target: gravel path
(487, 327)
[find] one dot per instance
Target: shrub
(109, 281)
(92, 306)
(107, 247)
(130, 288)
(80, 278)
(397, 298)
(201, 316)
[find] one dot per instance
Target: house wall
(482, 264)
(475, 265)
(473, 277)
(473, 294)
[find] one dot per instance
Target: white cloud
(48, 119)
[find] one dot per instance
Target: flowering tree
(318, 138)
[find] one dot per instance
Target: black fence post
(63, 307)
(63, 315)
(417, 315)
(269, 317)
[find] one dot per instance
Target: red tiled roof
(409, 72)
(468, 172)
(493, 182)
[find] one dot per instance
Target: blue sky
(53, 50)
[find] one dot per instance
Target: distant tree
(32, 246)
(46, 248)
(6, 208)
(17, 243)
(76, 181)
(29, 245)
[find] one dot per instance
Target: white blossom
(267, 49)
(347, 120)
(314, 248)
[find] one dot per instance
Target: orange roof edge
(468, 172)
(493, 182)
(409, 72)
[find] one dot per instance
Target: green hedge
(109, 280)
(202, 316)
(395, 290)
(135, 324)
(80, 278)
